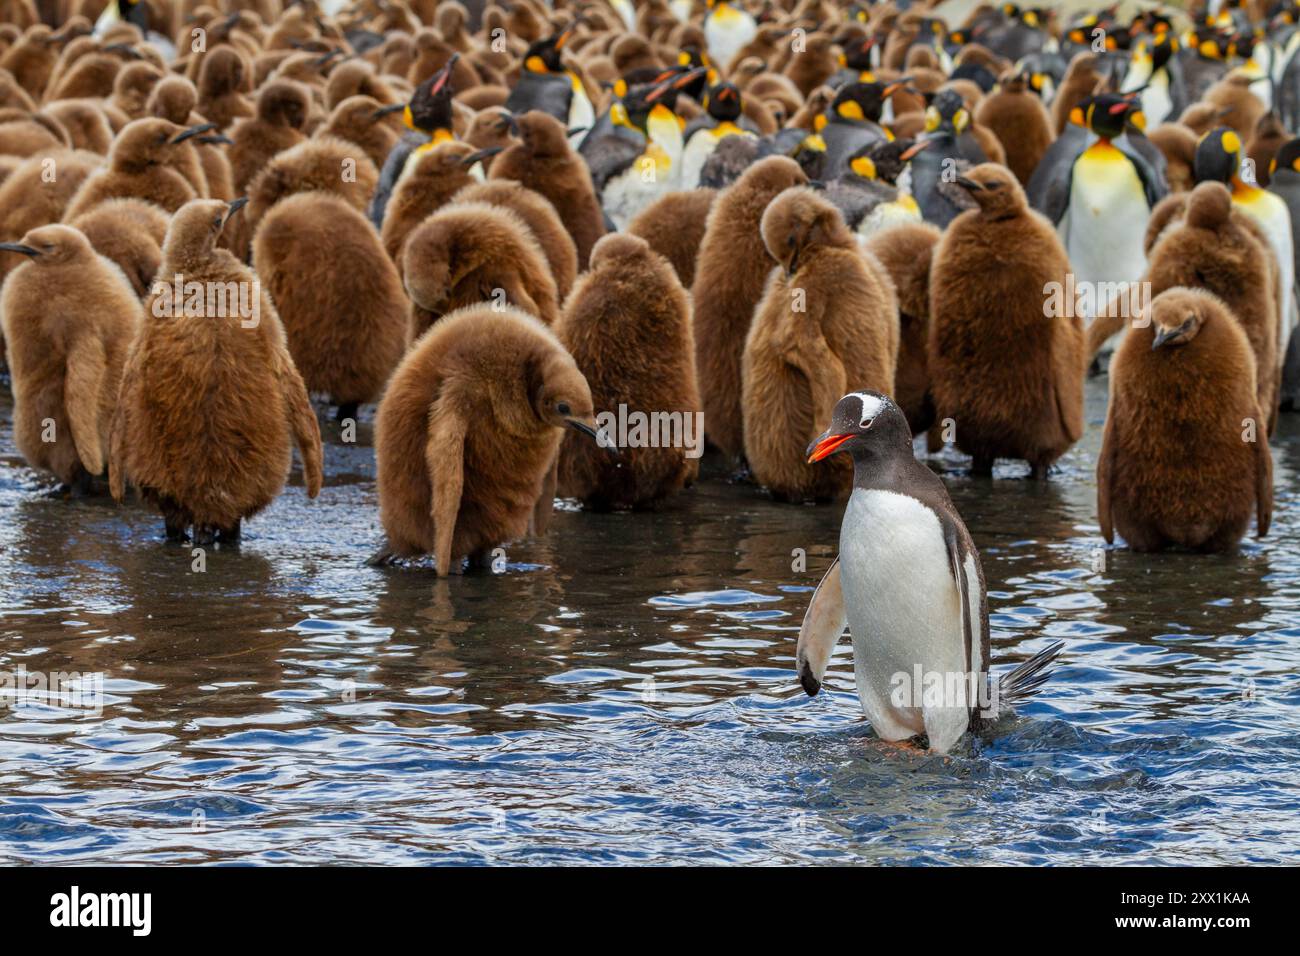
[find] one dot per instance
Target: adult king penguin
(727, 28)
(546, 84)
(909, 585)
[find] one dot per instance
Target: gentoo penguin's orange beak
(827, 445)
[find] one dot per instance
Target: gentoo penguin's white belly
(1103, 227)
(903, 610)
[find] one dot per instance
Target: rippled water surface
(624, 692)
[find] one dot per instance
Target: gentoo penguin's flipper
(1263, 487)
(958, 565)
(1023, 682)
(306, 430)
(1105, 461)
(444, 455)
(823, 625)
(82, 385)
(546, 500)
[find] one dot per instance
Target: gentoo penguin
(211, 401)
(428, 117)
(1101, 215)
(628, 327)
(69, 317)
(546, 84)
(1176, 468)
(723, 110)
(1218, 158)
(730, 276)
(346, 328)
(727, 28)
(1011, 378)
(909, 586)
(828, 320)
(467, 433)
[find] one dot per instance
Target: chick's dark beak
(1163, 337)
(185, 134)
(478, 157)
(234, 207)
(19, 248)
(586, 428)
(968, 184)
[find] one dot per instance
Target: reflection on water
(624, 691)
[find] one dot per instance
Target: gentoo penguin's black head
(430, 106)
(1218, 156)
(864, 423)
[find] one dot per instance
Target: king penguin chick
(140, 164)
(210, 402)
(828, 322)
(1176, 468)
(282, 108)
(470, 253)
(1020, 121)
(129, 231)
(467, 435)
(730, 276)
(347, 328)
(901, 526)
(1007, 373)
(674, 225)
(69, 317)
(543, 162)
(432, 178)
(628, 327)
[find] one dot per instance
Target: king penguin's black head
(1218, 156)
(430, 107)
(1106, 114)
(134, 11)
(1288, 157)
(862, 101)
(723, 102)
(857, 53)
(543, 56)
(862, 423)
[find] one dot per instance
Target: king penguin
(1285, 182)
(1151, 73)
(723, 117)
(428, 117)
(727, 28)
(1218, 158)
(546, 84)
(909, 585)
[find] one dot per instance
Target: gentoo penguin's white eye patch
(871, 407)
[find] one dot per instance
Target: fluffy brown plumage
(628, 326)
(906, 252)
(141, 163)
(69, 319)
(1179, 464)
(1178, 144)
(347, 327)
(542, 220)
(210, 403)
(1020, 121)
(543, 162)
(281, 111)
(130, 232)
(432, 176)
(1009, 376)
(674, 226)
(467, 434)
(731, 270)
(473, 252)
(827, 325)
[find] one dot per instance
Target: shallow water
(624, 691)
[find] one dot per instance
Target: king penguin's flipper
(823, 625)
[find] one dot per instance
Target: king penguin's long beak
(234, 207)
(192, 131)
(388, 110)
(481, 155)
(19, 248)
(602, 440)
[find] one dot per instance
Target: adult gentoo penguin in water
(909, 586)
(428, 117)
(546, 84)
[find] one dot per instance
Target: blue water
(624, 692)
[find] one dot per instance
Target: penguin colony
(833, 222)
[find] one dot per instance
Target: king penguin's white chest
(903, 608)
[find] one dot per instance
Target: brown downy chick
(357, 78)
(361, 120)
(432, 176)
(628, 326)
(347, 327)
(1267, 138)
(141, 163)
(1020, 121)
(1178, 144)
(1008, 374)
(467, 435)
(542, 221)
(730, 273)
(87, 125)
(544, 162)
(132, 87)
(1080, 82)
(1184, 461)
(211, 403)
(130, 232)
(31, 60)
(673, 225)
(466, 254)
(491, 128)
(222, 84)
(282, 108)
(906, 251)
(827, 324)
(69, 318)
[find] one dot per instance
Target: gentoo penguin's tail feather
(1023, 682)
